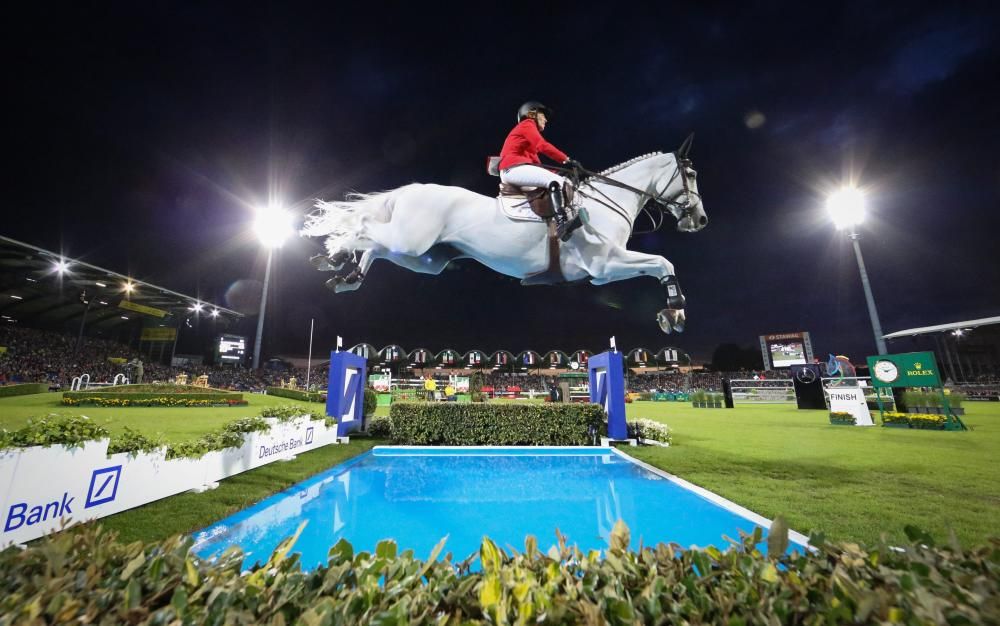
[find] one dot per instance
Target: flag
(340, 343)
(613, 348)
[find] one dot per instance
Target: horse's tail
(341, 221)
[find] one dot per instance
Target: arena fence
(750, 391)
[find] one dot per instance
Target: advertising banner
(158, 334)
(128, 305)
(910, 369)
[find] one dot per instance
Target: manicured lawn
(175, 424)
(851, 483)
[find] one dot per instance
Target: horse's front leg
(621, 264)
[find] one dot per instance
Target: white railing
(779, 391)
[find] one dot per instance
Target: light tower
(847, 209)
(273, 226)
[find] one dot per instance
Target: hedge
(86, 576)
(23, 389)
(295, 394)
(460, 424)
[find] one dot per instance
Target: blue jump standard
(416, 496)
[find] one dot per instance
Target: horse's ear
(682, 152)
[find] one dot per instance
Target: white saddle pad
(518, 209)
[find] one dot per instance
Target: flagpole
(310, 361)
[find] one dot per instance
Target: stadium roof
(940, 328)
(52, 289)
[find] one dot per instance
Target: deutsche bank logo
(309, 435)
(103, 485)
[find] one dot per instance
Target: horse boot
(675, 298)
(564, 225)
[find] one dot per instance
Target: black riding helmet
(530, 106)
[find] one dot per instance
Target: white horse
(423, 227)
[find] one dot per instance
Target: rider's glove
(573, 163)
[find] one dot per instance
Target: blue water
(418, 496)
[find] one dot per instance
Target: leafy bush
(161, 583)
(371, 401)
(133, 442)
(645, 430)
(955, 399)
(157, 392)
(285, 412)
(24, 389)
(478, 396)
(379, 426)
(914, 398)
(72, 431)
(457, 424)
(295, 394)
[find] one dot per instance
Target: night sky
(141, 134)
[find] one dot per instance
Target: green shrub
(295, 394)
(133, 442)
(108, 398)
(72, 431)
(285, 412)
(379, 426)
(468, 424)
(478, 396)
(955, 399)
(913, 399)
(23, 389)
(371, 401)
(87, 576)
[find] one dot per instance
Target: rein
(656, 220)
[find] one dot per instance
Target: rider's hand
(573, 163)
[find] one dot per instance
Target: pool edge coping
(715, 498)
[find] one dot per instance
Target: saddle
(533, 204)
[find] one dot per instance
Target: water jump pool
(418, 495)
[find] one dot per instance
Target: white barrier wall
(43, 489)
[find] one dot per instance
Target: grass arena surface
(851, 483)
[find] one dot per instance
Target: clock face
(886, 371)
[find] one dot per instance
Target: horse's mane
(623, 165)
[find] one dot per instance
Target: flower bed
(168, 401)
(923, 421)
(841, 418)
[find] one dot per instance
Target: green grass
(174, 424)
(851, 483)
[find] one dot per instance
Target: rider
(519, 163)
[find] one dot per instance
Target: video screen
(232, 348)
(787, 353)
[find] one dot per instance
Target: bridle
(679, 209)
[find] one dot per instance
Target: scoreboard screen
(786, 349)
(232, 348)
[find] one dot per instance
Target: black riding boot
(564, 225)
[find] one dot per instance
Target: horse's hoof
(321, 262)
(334, 282)
(355, 276)
(671, 320)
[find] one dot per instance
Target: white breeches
(529, 176)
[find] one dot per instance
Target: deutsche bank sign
(607, 388)
(345, 396)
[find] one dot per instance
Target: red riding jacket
(523, 145)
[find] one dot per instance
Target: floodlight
(273, 226)
(129, 287)
(99, 283)
(197, 307)
(60, 266)
(215, 312)
(846, 207)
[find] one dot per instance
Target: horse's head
(685, 203)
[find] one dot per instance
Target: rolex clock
(886, 371)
